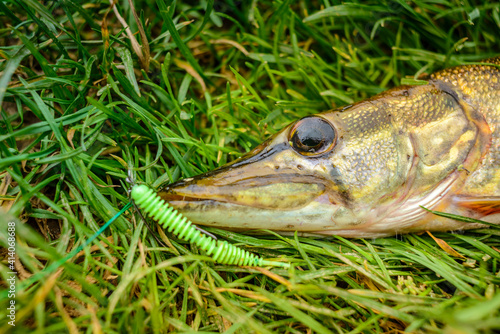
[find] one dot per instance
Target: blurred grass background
(89, 89)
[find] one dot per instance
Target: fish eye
(312, 136)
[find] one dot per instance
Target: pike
(366, 170)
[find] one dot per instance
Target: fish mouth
(238, 208)
(262, 191)
(257, 203)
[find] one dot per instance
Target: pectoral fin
(483, 206)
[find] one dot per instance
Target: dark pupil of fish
(312, 135)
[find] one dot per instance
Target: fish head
(346, 172)
(296, 180)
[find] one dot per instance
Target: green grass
(189, 88)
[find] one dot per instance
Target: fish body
(367, 170)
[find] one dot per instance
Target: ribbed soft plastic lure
(168, 218)
(365, 170)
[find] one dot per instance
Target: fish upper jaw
(254, 192)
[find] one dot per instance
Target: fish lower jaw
(312, 217)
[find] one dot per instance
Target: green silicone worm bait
(171, 220)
